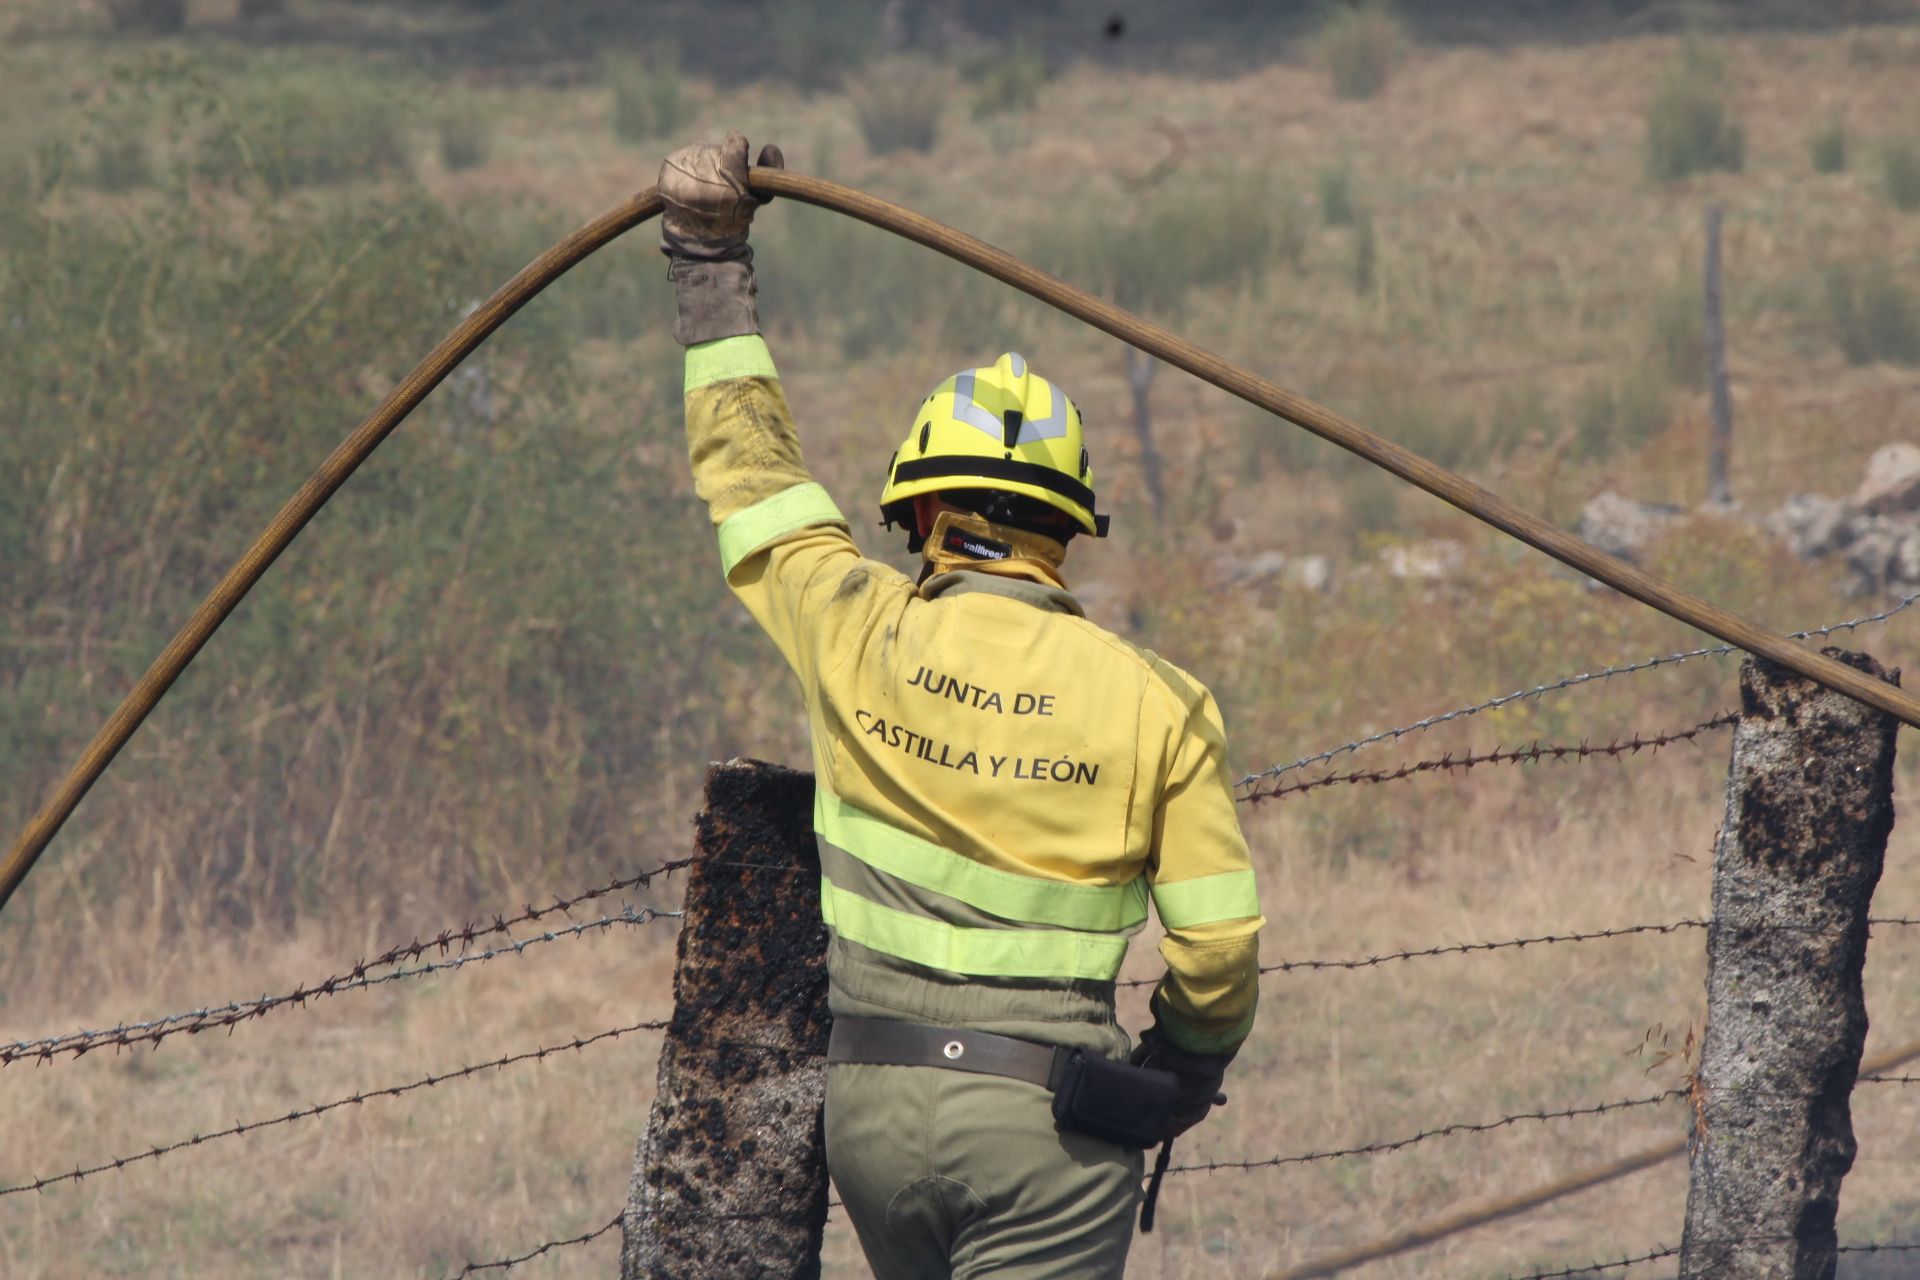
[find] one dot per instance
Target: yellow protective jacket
(1001, 784)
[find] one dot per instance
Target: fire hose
(1460, 492)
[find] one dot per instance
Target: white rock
(1426, 560)
(1811, 525)
(1622, 527)
(1892, 482)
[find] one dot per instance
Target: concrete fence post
(730, 1179)
(1809, 808)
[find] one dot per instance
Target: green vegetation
(649, 96)
(818, 43)
(1362, 254)
(899, 106)
(1691, 125)
(1358, 45)
(158, 16)
(1218, 233)
(1874, 315)
(1337, 203)
(1827, 148)
(465, 137)
(466, 613)
(1900, 173)
(1618, 413)
(302, 126)
(1679, 332)
(1009, 79)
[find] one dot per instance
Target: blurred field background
(494, 668)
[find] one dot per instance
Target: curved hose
(551, 265)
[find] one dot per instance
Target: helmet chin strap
(963, 540)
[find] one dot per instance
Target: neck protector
(962, 540)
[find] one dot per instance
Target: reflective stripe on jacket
(1001, 784)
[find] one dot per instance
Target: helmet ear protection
(1004, 437)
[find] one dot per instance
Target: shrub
(1358, 45)
(649, 97)
(1009, 80)
(1827, 149)
(1335, 184)
(1874, 316)
(466, 138)
(1362, 256)
(1679, 333)
(121, 162)
(1690, 125)
(147, 15)
(305, 127)
(899, 107)
(815, 43)
(1150, 261)
(1617, 414)
(1900, 172)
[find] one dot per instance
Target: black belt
(884, 1042)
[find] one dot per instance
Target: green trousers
(954, 1174)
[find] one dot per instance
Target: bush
(507, 707)
(1335, 184)
(1690, 125)
(1152, 260)
(1874, 316)
(1009, 80)
(1358, 46)
(1827, 149)
(1614, 415)
(899, 107)
(649, 97)
(147, 15)
(1679, 333)
(1900, 172)
(304, 127)
(815, 43)
(121, 162)
(466, 138)
(1362, 257)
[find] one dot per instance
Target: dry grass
(1518, 263)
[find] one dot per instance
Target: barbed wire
(1595, 1268)
(507, 1264)
(1877, 1079)
(195, 1021)
(321, 1108)
(1553, 686)
(1444, 1131)
(1504, 944)
(1449, 763)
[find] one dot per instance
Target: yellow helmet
(997, 427)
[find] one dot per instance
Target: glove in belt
(884, 1042)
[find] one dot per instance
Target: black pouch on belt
(1115, 1101)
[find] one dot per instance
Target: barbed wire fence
(454, 949)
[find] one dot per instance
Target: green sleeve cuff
(1182, 904)
(770, 519)
(743, 357)
(1217, 1042)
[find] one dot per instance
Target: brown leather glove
(703, 232)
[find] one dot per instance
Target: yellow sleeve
(1203, 886)
(784, 545)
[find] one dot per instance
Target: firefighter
(1001, 786)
